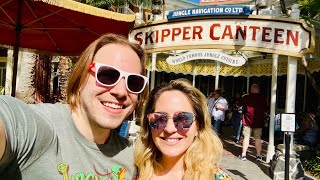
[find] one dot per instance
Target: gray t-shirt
(44, 143)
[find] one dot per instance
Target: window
(148, 17)
(2, 73)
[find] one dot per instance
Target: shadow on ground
(236, 148)
(238, 173)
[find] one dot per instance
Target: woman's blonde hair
(205, 151)
(80, 73)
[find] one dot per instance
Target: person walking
(236, 117)
(210, 103)
(254, 107)
(78, 139)
(220, 105)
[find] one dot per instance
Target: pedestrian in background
(56, 141)
(308, 132)
(210, 102)
(254, 107)
(236, 117)
(220, 105)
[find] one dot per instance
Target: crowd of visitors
(307, 132)
(249, 117)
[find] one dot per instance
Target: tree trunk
(25, 86)
(42, 78)
(65, 67)
(312, 80)
(283, 7)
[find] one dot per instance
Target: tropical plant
(103, 4)
(309, 8)
(112, 4)
(310, 11)
(143, 3)
(311, 162)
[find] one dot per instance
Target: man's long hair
(80, 73)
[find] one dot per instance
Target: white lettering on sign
(208, 10)
(206, 54)
(182, 13)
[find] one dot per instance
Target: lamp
(261, 4)
(156, 7)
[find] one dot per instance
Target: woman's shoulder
(219, 174)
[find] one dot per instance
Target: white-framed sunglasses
(107, 75)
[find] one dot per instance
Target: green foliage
(103, 4)
(309, 8)
(311, 162)
(144, 3)
(108, 4)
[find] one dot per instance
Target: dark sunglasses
(107, 75)
(181, 120)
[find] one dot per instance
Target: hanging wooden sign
(255, 33)
(208, 55)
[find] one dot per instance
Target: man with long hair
(77, 139)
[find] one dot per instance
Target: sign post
(288, 125)
(287, 155)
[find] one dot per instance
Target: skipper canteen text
(218, 32)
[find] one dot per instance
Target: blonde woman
(176, 139)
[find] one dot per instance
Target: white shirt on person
(219, 114)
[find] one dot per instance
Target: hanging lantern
(261, 4)
(156, 7)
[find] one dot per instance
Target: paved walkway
(238, 169)
(231, 164)
(251, 169)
